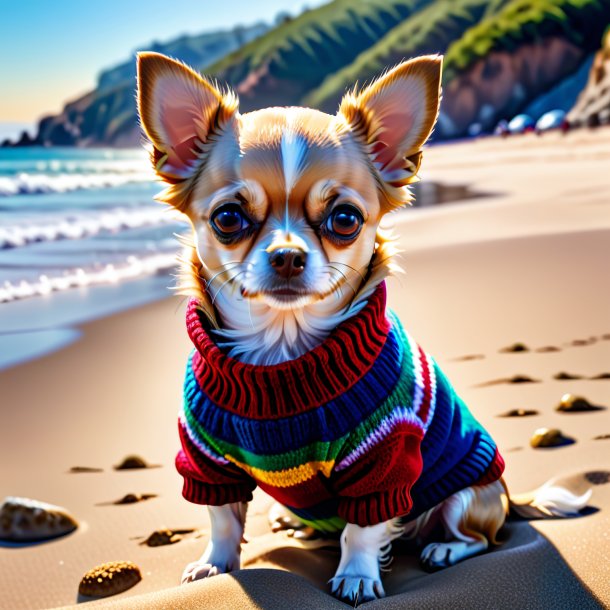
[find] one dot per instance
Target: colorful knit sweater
(363, 428)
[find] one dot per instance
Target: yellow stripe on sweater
(287, 477)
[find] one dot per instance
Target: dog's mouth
(283, 296)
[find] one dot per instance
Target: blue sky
(51, 51)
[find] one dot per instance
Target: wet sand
(527, 264)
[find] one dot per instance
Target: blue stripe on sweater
(328, 422)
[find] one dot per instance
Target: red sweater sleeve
(210, 479)
(376, 486)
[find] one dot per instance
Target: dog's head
(286, 203)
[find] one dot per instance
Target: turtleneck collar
(298, 385)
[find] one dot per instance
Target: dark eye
(229, 221)
(344, 222)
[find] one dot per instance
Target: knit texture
(363, 428)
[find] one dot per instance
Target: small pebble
(26, 520)
(561, 376)
(598, 477)
(575, 404)
(515, 348)
(550, 437)
(519, 413)
(165, 537)
(133, 462)
(109, 579)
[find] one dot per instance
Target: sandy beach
(526, 259)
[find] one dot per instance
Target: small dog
(300, 381)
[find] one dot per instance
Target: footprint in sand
(84, 469)
(601, 376)
(563, 376)
(511, 380)
(129, 499)
(519, 413)
(166, 536)
(134, 462)
(582, 342)
(598, 477)
(515, 348)
(469, 357)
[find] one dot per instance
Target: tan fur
(227, 148)
(285, 170)
(486, 513)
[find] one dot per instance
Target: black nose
(288, 262)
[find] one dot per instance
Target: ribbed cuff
(376, 508)
(215, 495)
(495, 470)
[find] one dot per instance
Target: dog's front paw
(216, 560)
(355, 590)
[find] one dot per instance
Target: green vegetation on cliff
(282, 66)
(500, 55)
(581, 22)
(431, 30)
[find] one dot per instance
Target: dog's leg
(280, 518)
(224, 549)
(471, 518)
(363, 550)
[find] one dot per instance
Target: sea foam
(79, 225)
(25, 183)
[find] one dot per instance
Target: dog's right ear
(179, 110)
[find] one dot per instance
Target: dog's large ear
(395, 115)
(179, 110)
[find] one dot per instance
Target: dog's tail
(550, 500)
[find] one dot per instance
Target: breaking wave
(132, 268)
(81, 225)
(25, 183)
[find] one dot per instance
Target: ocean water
(80, 237)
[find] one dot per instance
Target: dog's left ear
(395, 115)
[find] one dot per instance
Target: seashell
(133, 462)
(26, 520)
(109, 579)
(519, 413)
(515, 348)
(165, 537)
(575, 404)
(550, 437)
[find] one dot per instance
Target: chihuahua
(301, 382)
